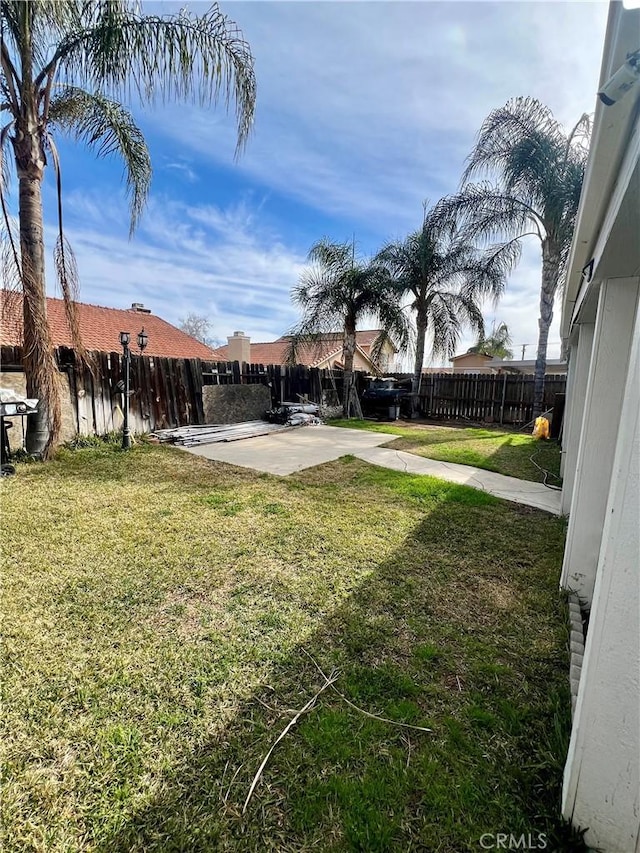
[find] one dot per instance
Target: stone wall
(230, 404)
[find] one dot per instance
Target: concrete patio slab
(294, 450)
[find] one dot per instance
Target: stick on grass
(361, 710)
(328, 682)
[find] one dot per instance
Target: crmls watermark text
(509, 841)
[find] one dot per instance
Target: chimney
(239, 348)
(139, 307)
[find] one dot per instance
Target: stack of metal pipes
(212, 433)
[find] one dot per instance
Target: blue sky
(364, 110)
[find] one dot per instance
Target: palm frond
(535, 163)
(495, 344)
(108, 128)
(580, 137)
(9, 82)
(337, 290)
(10, 269)
(444, 326)
(66, 268)
(204, 58)
(396, 327)
(504, 128)
(446, 276)
(11, 266)
(38, 23)
(487, 277)
(484, 212)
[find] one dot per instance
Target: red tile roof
(364, 339)
(330, 344)
(367, 338)
(100, 329)
(275, 352)
(265, 353)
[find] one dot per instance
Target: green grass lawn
(158, 616)
(494, 449)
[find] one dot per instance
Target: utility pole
(524, 346)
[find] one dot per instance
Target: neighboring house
(100, 328)
(475, 362)
(326, 353)
(94, 408)
(600, 329)
(427, 371)
(471, 362)
(555, 366)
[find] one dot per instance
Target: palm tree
(66, 66)
(337, 291)
(495, 344)
(538, 170)
(445, 278)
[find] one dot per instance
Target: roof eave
(611, 129)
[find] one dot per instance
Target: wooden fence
(481, 397)
(168, 391)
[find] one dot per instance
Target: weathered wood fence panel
(167, 392)
(481, 397)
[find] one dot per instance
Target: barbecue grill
(12, 405)
(383, 399)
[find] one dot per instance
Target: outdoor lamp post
(125, 338)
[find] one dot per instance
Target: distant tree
(197, 326)
(66, 67)
(495, 344)
(337, 291)
(445, 277)
(538, 170)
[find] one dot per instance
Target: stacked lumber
(190, 436)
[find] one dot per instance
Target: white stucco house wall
(600, 329)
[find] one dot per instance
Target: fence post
(504, 394)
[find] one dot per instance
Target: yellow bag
(541, 428)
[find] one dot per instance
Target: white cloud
(364, 110)
(182, 169)
(184, 259)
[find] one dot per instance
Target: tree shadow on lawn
(425, 434)
(462, 631)
(518, 455)
(536, 459)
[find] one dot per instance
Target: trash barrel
(394, 413)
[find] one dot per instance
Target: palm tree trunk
(41, 371)
(421, 334)
(350, 402)
(550, 275)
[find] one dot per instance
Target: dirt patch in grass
(155, 645)
(191, 614)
